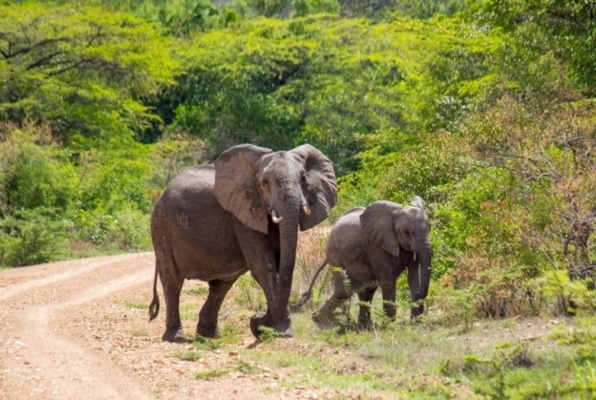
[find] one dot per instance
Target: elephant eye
(406, 232)
(265, 182)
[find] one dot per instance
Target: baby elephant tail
(154, 306)
(306, 295)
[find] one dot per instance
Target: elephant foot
(284, 331)
(323, 320)
(416, 312)
(175, 335)
(260, 320)
(208, 331)
(365, 324)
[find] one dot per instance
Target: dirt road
(78, 329)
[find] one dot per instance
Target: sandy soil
(71, 330)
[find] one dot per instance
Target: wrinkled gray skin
(373, 246)
(216, 222)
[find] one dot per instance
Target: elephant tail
(306, 295)
(154, 306)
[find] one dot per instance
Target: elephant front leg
(388, 291)
(365, 295)
(274, 317)
(208, 325)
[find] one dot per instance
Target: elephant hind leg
(208, 326)
(341, 293)
(172, 285)
(174, 331)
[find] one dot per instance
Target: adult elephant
(373, 246)
(216, 222)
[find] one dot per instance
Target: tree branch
(44, 60)
(28, 49)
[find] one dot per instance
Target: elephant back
(345, 242)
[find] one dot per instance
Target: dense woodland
(486, 109)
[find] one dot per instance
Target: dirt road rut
(78, 329)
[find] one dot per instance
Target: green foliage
(248, 294)
(50, 205)
(34, 172)
(320, 79)
(82, 70)
(182, 17)
(568, 25)
(513, 371)
(29, 237)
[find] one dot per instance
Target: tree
(82, 70)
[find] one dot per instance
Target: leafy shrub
(247, 294)
(29, 237)
(33, 171)
(125, 229)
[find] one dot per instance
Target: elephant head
(295, 189)
(398, 229)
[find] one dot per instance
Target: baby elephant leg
(365, 295)
(341, 292)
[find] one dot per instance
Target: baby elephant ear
(321, 189)
(418, 202)
(377, 225)
(236, 185)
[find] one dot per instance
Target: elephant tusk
(306, 209)
(275, 218)
(414, 256)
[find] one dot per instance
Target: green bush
(29, 237)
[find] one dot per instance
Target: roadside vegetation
(486, 109)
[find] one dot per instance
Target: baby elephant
(373, 246)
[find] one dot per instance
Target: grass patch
(248, 369)
(189, 311)
(211, 374)
(140, 306)
(490, 359)
(187, 354)
(200, 291)
(202, 343)
(141, 332)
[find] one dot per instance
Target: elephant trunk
(419, 275)
(424, 271)
(288, 234)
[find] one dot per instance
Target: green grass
(510, 358)
(140, 306)
(200, 291)
(249, 369)
(187, 354)
(441, 356)
(211, 374)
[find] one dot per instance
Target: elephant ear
(236, 185)
(418, 202)
(377, 225)
(321, 189)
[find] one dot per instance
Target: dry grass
(310, 255)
